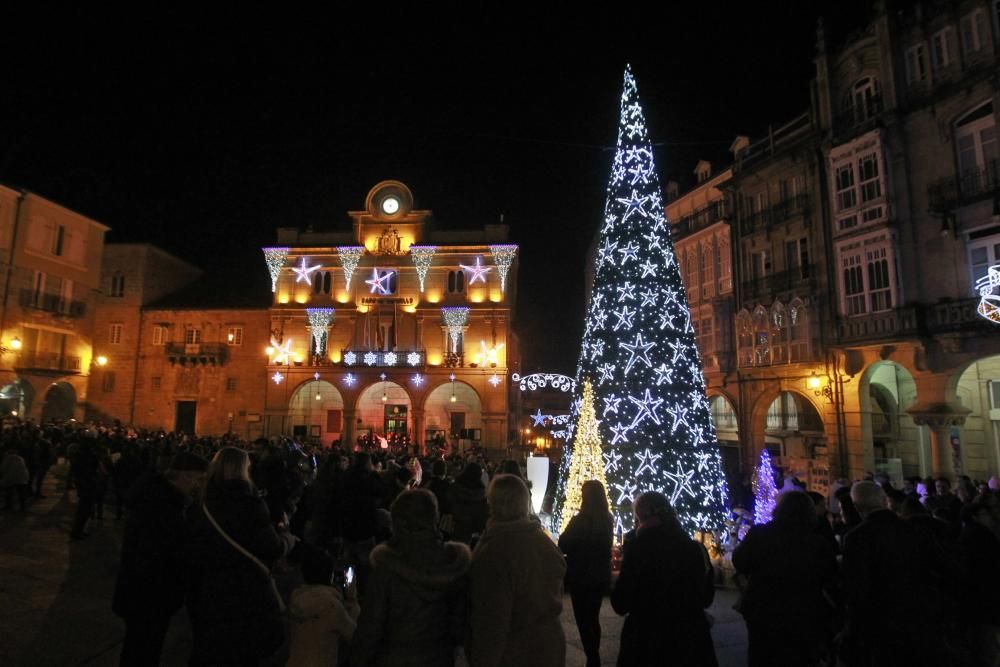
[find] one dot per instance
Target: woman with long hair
(788, 566)
(587, 544)
(237, 610)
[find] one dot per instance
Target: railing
(783, 210)
(970, 186)
(384, 358)
(775, 140)
(52, 303)
(774, 282)
(700, 219)
(922, 320)
(48, 361)
(858, 118)
(213, 354)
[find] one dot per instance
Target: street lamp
(15, 343)
(101, 360)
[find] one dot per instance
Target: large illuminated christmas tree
(639, 349)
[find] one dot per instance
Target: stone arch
(788, 423)
(725, 418)
(319, 421)
(17, 397)
(59, 403)
(378, 417)
(445, 419)
(975, 386)
(892, 442)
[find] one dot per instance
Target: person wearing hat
(153, 578)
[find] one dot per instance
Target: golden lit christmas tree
(587, 461)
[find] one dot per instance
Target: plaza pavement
(55, 596)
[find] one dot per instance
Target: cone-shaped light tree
(639, 349)
(765, 492)
(587, 459)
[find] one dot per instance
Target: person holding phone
(414, 609)
(322, 612)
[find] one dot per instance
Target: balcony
(213, 354)
(972, 185)
(920, 320)
(47, 362)
(858, 119)
(51, 303)
(780, 212)
(384, 358)
(701, 219)
(775, 282)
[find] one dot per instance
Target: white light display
(302, 271)
(413, 358)
(370, 358)
(319, 325)
(421, 256)
(390, 358)
(350, 358)
(455, 318)
(417, 380)
(281, 352)
(503, 255)
(380, 282)
(639, 349)
(541, 380)
(989, 300)
(494, 380)
(275, 260)
(538, 419)
(277, 377)
(350, 256)
(478, 272)
(349, 380)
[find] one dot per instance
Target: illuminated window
(234, 336)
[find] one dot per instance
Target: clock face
(390, 205)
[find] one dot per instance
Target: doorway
(187, 412)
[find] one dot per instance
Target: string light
(319, 324)
(541, 380)
(455, 320)
(503, 256)
(350, 256)
(422, 256)
(989, 301)
(302, 271)
(275, 260)
(380, 282)
(478, 272)
(350, 358)
(639, 351)
(280, 353)
(587, 459)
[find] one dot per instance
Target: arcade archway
(59, 402)
(316, 413)
(458, 421)
(892, 441)
(384, 409)
(16, 398)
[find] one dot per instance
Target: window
(846, 196)
(858, 186)
(744, 338)
(159, 335)
(192, 336)
(58, 239)
(115, 334)
(797, 258)
(779, 332)
(941, 49)
(871, 187)
(761, 337)
(723, 414)
(708, 270)
(916, 64)
(863, 101)
(706, 335)
(973, 32)
(984, 251)
(760, 264)
(868, 275)
(38, 291)
(234, 336)
(798, 331)
(65, 296)
(322, 282)
(456, 282)
(230, 384)
(108, 381)
(117, 285)
(156, 382)
(976, 143)
(723, 262)
(994, 394)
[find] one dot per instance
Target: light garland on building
(639, 351)
(349, 380)
(503, 256)
(350, 256)
(370, 358)
(302, 271)
(275, 260)
(765, 492)
(455, 318)
(417, 379)
(281, 353)
(319, 325)
(422, 256)
(537, 381)
(350, 358)
(494, 380)
(478, 272)
(413, 358)
(989, 300)
(380, 282)
(277, 377)
(587, 459)
(390, 358)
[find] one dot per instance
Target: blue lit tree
(764, 490)
(639, 349)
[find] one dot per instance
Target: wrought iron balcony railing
(967, 187)
(52, 303)
(48, 361)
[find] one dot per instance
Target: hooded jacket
(414, 607)
(469, 509)
(318, 620)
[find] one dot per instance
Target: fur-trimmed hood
(435, 566)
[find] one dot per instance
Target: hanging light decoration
(275, 259)
(453, 398)
(385, 396)
(455, 320)
(319, 323)
(503, 255)
(350, 255)
(422, 255)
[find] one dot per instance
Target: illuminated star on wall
(380, 282)
(302, 272)
(477, 272)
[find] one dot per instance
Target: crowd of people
(333, 557)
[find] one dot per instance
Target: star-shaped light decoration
(282, 351)
(633, 204)
(638, 351)
(494, 380)
(607, 372)
(648, 269)
(349, 380)
(413, 358)
(619, 432)
(477, 272)
(624, 316)
(679, 414)
(417, 379)
(611, 403)
(681, 480)
(370, 358)
(302, 271)
(350, 358)
(648, 297)
(390, 358)
(626, 291)
(379, 282)
(630, 251)
(277, 377)
(663, 374)
(538, 419)
(612, 459)
(647, 408)
(647, 460)
(626, 490)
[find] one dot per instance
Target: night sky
(203, 135)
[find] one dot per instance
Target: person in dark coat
(85, 469)
(981, 553)
(665, 584)
(790, 567)
(468, 504)
(359, 495)
(237, 619)
(587, 542)
(414, 609)
(154, 576)
(897, 602)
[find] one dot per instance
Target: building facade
(51, 268)
(394, 329)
